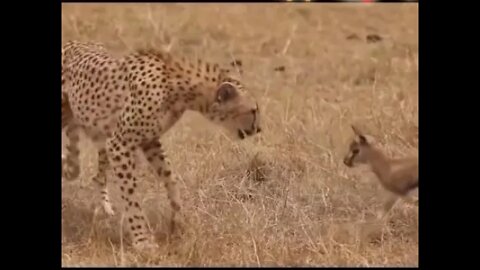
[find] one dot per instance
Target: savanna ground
(284, 197)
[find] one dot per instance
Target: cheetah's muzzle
(243, 133)
(348, 162)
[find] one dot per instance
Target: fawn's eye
(355, 151)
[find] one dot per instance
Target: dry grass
(283, 198)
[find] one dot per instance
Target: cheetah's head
(235, 109)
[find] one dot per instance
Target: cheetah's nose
(347, 162)
(241, 134)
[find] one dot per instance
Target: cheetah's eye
(355, 151)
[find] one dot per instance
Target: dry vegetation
(283, 198)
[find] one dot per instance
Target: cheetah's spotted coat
(124, 104)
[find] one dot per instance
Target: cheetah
(124, 105)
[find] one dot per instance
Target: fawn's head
(359, 149)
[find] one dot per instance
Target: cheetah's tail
(67, 114)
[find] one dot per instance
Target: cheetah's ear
(237, 65)
(225, 92)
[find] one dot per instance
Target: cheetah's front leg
(161, 166)
(120, 151)
(101, 179)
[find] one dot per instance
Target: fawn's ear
(356, 130)
(362, 138)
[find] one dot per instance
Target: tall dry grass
(283, 198)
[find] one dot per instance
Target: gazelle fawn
(399, 177)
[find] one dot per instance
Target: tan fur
(398, 176)
(126, 104)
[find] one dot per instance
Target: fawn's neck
(380, 165)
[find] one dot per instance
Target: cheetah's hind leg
(71, 160)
